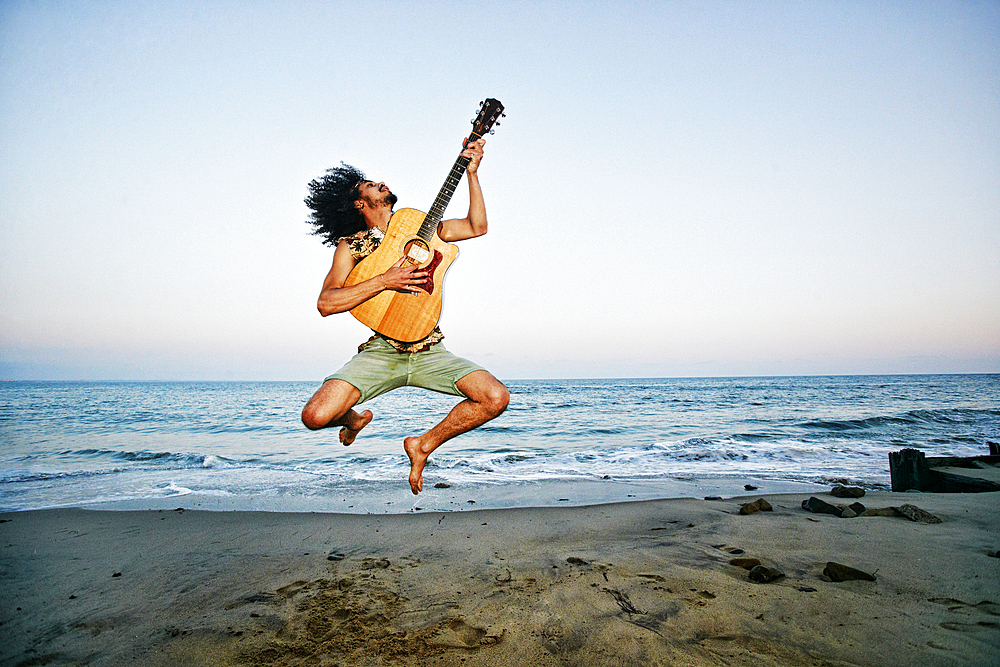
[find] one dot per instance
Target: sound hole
(417, 251)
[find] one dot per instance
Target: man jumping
(352, 214)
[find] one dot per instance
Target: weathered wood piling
(912, 469)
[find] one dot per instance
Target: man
(352, 213)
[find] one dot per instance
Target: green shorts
(380, 368)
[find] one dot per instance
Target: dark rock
(852, 510)
(442, 485)
(759, 505)
(994, 554)
(713, 497)
(838, 572)
(847, 491)
(817, 506)
(814, 504)
(745, 563)
(749, 487)
(735, 551)
(116, 574)
(807, 589)
(914, 513)
(336, 555)
(763, 574)
(573, 560)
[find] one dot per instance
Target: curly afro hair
(331, 198)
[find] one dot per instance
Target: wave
(183, 460)
(158, 459)
(21, 477)
(911, 418)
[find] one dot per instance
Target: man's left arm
(474, 224)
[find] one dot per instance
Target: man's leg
(486, 398)
(332, 405)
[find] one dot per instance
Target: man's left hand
(474, 151)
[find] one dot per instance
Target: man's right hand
(401, 278)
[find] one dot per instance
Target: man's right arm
(335, 298)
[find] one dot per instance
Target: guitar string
(436, 212)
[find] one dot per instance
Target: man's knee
(485, 390)
(496, 398)
(311, 418)
(329, 404)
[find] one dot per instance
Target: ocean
(241, 446)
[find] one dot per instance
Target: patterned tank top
(363, 244)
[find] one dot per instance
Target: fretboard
(436, 212)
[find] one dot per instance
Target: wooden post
(908, 470)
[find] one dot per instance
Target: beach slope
(643, 583)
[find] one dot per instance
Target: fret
(436, 212)
(437, 209)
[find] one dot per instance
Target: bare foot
(349, 433)
(417, 461)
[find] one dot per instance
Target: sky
(690, 188)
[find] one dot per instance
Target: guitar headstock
(490, 113)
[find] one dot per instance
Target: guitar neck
(436, 212)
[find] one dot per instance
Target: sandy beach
(641, 583)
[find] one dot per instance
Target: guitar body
(404, 316)
(411, 316)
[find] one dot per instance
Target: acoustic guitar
(412, 235)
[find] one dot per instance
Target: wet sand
(641, 583)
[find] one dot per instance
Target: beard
(388, 200)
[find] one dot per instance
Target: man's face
(376, 194)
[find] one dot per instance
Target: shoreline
(386, 498)
(643, 582)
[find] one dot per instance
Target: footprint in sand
(456, 633)
(960, 607)
(291, 589)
